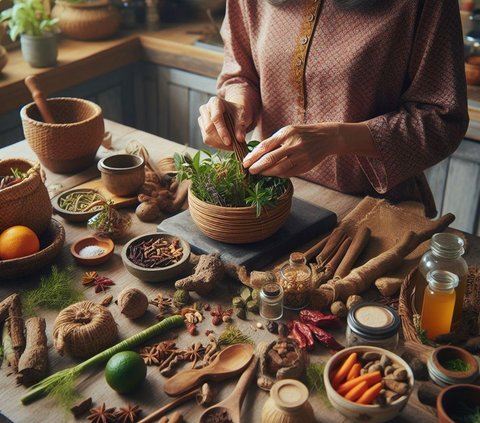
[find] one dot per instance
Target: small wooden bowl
(74, 216)
(51, 243)
(472, 72)
(91, 241)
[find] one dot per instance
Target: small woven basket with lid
(26, 203)
(71, 144)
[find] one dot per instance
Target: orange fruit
(18, 241)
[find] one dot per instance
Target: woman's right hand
(212, 124)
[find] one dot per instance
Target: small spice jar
(296, 280)
(288, 403)
(271, 301)
(372, 324)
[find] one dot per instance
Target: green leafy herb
(465, 412)
(456, 365)
(315, 383)
(218, 178)
(18, 173)
(56, 291)
(422, 333)
(232, 335)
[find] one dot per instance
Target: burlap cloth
(388, 223)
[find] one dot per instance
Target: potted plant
(30, 20)
(229, 206)
(87, 20)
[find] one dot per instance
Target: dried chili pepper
(319, 319)
(324, 337)
(298, 337)
(306, 332)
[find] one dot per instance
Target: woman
(358, 95)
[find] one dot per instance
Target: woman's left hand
(293, 150)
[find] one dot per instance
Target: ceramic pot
(87, 21)
(288, 403)
(3, 57)
(122, 174)
(451, 398)
(41, 51)
(239, 225)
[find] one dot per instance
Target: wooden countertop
(151, 395)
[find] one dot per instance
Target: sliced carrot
(354, 371)
(370, 378)
(357, 391)
(342, 372)
(370, 394)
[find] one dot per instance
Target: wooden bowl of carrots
(368, 383)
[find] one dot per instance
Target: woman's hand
(293, 150)
(212, 124)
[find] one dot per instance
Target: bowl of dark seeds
(156, 257)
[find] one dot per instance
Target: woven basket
(51, 243)
(26, 203)
(71, 144)
(239, 225)
(87, 21)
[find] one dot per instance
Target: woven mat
(388, 223)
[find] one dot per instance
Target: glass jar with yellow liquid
(438, 303)
(445, 253)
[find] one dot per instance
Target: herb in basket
(218, 178)
(9, 180)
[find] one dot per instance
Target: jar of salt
(91, 251)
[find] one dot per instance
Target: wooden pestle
(32, 84)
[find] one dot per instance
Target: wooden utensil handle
(240, 390)
(32, 84)
(167, 407)
(183, 381)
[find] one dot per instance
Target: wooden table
(151, 395)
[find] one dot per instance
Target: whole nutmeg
(133, 303)
(352, 300)
(339, 309)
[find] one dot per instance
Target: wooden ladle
(231, 406)
(37, 94)
(229, 362)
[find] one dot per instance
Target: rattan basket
(71, 144)
(239, 225)
(26, 203)
(51, 243)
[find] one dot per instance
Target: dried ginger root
(208, 272)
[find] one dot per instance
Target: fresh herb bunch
(28, 17)
(218, 178)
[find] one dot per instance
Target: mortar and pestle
(64, 132)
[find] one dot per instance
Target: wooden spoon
(229, 362)
(32, 84)
(232, 405)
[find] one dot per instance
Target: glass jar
(296, 281)
(372, 324)
(271, 301)
(445, 254)
(438, 303)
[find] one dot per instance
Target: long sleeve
(432, 117)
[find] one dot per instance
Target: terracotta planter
(239, 225)
(87, 21)
(450, 398)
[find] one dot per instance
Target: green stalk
(64, 377)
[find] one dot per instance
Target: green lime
(125, 371)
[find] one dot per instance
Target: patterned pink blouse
(398, 68)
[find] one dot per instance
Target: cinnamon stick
(16, 326)
(359, 242)
(5, 306)
(334, 241)
(331, 266)
(33, 363)
(314, 250)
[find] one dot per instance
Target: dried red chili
(319, 319)
(306, 332)
(324, 337)
(298, 337)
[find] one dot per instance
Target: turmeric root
(208, 272)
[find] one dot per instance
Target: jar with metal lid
(296, 280)
(372, 324)
(271, 301)
(445, 253)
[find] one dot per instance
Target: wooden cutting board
(118, 202)
(306, 222)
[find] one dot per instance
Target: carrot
(370, 378)
(370, 394)
(354, 371)
(357, 391)
(342, 372)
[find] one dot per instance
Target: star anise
(194, 353)
(128, 414)
(162, 302)
(165, 348)
(102, 414)
(88, 278)
(150, 356)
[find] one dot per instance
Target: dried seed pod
(133, 303)
(181, 298)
